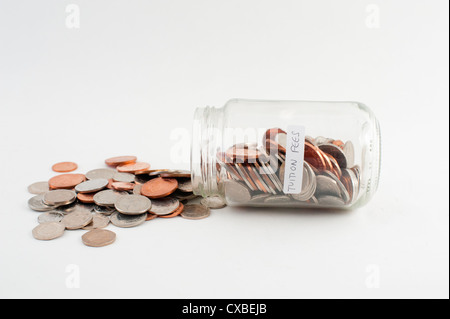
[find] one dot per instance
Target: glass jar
(286, 153)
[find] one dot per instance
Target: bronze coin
(122, 186)
(314, 156)
(134, 167)
(120, 160)
(336, 152)
(87, 198)
(150, 216)
(98, 238)
(66, 181)
(159, 187)
(64, 167)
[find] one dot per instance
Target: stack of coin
(125, 194)
(254, 174)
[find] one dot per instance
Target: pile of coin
(126, 194)
(253, 174)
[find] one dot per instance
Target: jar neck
(206, 142)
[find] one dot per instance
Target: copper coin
(98, 238)
(338, 143)
(120, 160)
(336, 152)
(150, 216)
(159, 187)
(134, 167)
(64, 167)
(122, 186)
(177, 212)
(314, 156)
(86, 198)
(242, 155)
(66, 181)
(110, 182)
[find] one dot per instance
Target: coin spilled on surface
(126, 193)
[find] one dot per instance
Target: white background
(127, 81)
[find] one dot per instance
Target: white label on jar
(295, 149)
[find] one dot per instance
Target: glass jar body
(286, 153)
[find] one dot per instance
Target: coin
(343, 191)
(159, 187)
(76, 207)
(214, 202)
(349, 151)
(336, 152)
(175, 213)
(48, 231)
(50, 217)
(314, 157)
(309, 184)
(258, 198)
(59, 197)
(123, 177)
(101, 173)
(106, 198)
(277, 199)
(98, 221)
(164, 206)
(175, 174)
(150, 216)
(133, 204)
(98, 238)
(86, 198)
(64, 167)
(327, 186)
(137, 189)
(77, 219)
(66, 181)
(92, 185)
(185, 185)
(38, 188)
(242, 155)
(132, 168)
(195, 211)
(104, 210)
(236, 192)
(142, 179)
(122, 186)
(127, 221)
(120, 160)
(36, 203)
(328, 200)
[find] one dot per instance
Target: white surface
(129, 79)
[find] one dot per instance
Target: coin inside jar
(236, 191)
(92, 185)
(133, 204)
(59, 197)
(214, 202)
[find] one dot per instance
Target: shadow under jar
(286, 153)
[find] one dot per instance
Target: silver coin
(92, 185)
(265, 186)
(277, 199)
(236, 192)
(354, 185)
(106, 198)
(309, 184)
(77, 219)
(349, 151)
(50, 217)
(195, 211)
(213, 202)
(323, 140)
(123, 177)
(258, 198)
(74, 207)
(336, 152)
(48, 231)
(133, 204)
(127, 221)
(98, 221)
(310, 140)
(38, 188)
(104, 210)
(137, 189)
(36, 203)
(143, 178)
(327, 186)
(105, 173)
(185, 185)
(343, 191)
(59, 197)
(164, 206)
(184, 196)
(313, 200)
(328, 200)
